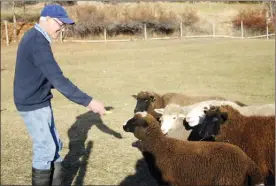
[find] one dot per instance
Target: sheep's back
(185, 100)
(255, 135)
(262, 110)
(180, 161)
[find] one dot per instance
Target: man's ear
(134, 96)
(224, 116)
(159, 111)
(152, 98)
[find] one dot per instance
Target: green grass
(237, 69)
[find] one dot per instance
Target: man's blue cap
(56, 11)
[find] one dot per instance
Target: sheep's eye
(174, 117)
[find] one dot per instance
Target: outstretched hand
(97, 107)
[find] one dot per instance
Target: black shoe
(41, 177)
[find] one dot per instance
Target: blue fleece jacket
(37, 72)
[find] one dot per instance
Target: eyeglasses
(61, 25)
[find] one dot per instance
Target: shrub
(189, 17)
(254, 20)
(127, 19)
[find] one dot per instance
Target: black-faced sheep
(255, 135)
(148, 101)
(178, 162)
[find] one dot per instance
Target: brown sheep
(177, 162)
(148, 101)
(255, 135)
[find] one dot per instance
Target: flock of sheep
(203, 140)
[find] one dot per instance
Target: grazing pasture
(97, 150)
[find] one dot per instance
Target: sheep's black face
(143, 104)
(211, 123)
(133, 123)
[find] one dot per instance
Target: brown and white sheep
(177, 162)
(148, 101)
(255, 134)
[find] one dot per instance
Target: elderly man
(36, 73)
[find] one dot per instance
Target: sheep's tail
(255, 174)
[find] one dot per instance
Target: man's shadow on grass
(77, 158)
(141, 177)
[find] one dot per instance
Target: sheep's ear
(224, 116)
(152, 98)
(159, 111)
(134, 96)
(182, 116)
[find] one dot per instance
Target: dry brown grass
(237, 69)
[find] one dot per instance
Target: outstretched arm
(45, 61)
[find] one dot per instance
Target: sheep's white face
(167, 122)
(170, 122)
(196, 115)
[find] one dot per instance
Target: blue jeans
(46, 143)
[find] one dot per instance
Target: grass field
(100, 151)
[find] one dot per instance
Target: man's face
(55, 26)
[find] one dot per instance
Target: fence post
(145, 31)
(105, 34)
(7, 34)
(181, 29)
(214, 27)
(242, 29)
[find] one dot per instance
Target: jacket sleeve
(44, 60)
